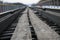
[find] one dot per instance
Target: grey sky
(23, 1)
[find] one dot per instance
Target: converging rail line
(30, 27)
(25, 24)
(33, 34)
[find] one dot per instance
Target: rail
(8, 17)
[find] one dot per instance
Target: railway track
(30, 27)
(51, 18)
(53, 25)
(33, 34)
(8, 32)
(8, 23)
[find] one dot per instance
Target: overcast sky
(23, 1)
